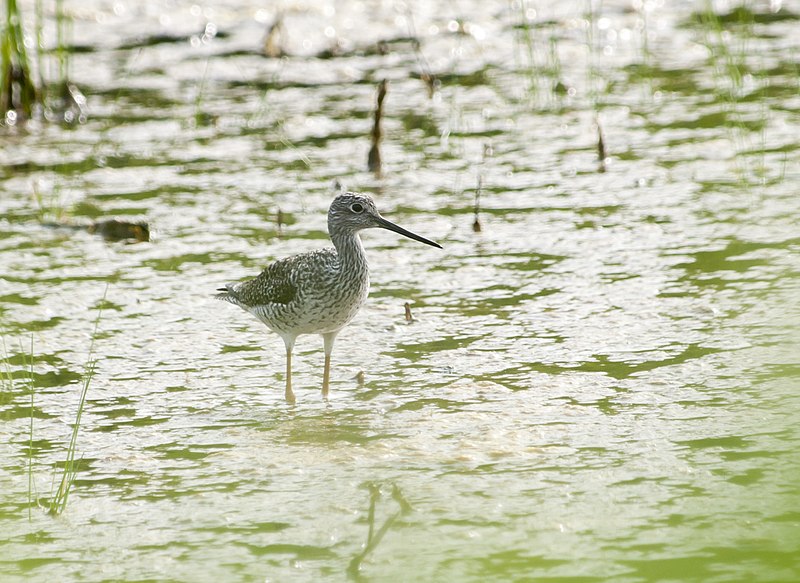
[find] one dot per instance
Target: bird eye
(357, 207)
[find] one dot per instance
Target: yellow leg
(289, 394)
(328, 338)
(326, 376)
(289, 341)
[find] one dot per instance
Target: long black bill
(383, 223)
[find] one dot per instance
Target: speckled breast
(325, 307)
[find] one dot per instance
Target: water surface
(599, 385)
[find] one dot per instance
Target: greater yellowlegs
(321, 291)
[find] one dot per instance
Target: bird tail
(228, 294)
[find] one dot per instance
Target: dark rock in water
(116, 230)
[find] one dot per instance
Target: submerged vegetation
(66, 471)
(70, 467)
(19, 94)
(25, 93)
(10, 387)
(736, 76)
(374, 163)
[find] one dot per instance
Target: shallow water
(599, 385)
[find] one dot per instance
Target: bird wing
(278, 283)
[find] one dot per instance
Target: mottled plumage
(304, 294)
(321, 291)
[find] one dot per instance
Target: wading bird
(321, 291)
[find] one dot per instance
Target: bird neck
(350, 250)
